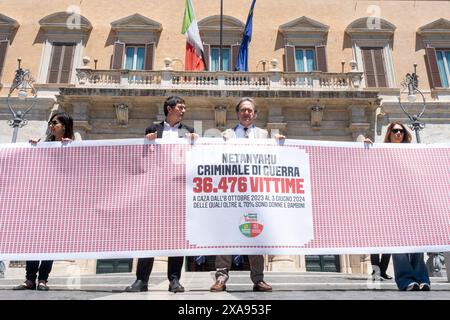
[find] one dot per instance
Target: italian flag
(194, 47)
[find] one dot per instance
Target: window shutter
(66, 64)
(234, 56)
(119, 52)
(3, 49)
(149, 54)
(289, 56)
(433, 67)
(321, 59)
(55, 63)
(206, 56)
(379, 67)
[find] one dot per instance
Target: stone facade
(334, 101)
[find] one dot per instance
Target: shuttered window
(61, 62)
(212, 56)
(234, 55)
(443, 62)
(133, 57)
(206, 53)
(374, 67)
(3, 48)
(302, 59)
(433, 68)
(215, 58)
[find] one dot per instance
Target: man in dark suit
(171, 127)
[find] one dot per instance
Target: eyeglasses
(53, 123)
(397, 131)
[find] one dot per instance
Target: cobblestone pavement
(286, 286)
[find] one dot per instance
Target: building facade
(320, 70)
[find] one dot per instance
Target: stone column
(359, 128)
(275, 121)
(80, 114)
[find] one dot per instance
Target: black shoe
(137, 286)
(42, 286)
(424, 287)
(27, 285)
(175, 286)
(413, 286)
(386, 276)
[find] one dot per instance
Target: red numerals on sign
(226, 184)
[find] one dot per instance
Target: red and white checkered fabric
(129, 200)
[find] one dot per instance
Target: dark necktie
(245, 132)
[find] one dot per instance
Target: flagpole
(221, 30)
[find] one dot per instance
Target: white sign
(248, 195)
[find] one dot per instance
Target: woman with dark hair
(60, 128)
(410, 271)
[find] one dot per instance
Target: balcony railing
(164, 79)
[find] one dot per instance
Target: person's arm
(151, 133)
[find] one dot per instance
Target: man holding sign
(246, 113)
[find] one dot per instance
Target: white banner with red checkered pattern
(135, 198)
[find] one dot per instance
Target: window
(372, 50)
(134, 58)
(3, 48)
(304, 60)
(374, 70)
(443, 62)
(215, 59)
(135, 38)
(62, 48)
(209, 28)
(7, 29)
(61, 63)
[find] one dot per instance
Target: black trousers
(33, 267)
(145, 266)
(383, 264)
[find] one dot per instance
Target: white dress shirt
(170, 132)
(242, 132)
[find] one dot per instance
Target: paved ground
(287, 286)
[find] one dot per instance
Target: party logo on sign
(250, 227)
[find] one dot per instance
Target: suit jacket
(159, 128)
(259, 133)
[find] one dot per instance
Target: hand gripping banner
(134, 198)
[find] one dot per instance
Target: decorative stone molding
(355, 74)
(167, 63)
(274, 65)
(209, 28)
(436, 33)
(7, 26)
(276, 128)
(136, 28)
(122, 111)
(370, 26)
(316, 117)
(359, 130)
(84, 72)
(304, 31)
(220, 116)
(67, 21)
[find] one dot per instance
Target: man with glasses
(171, 127)
(246, 113)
